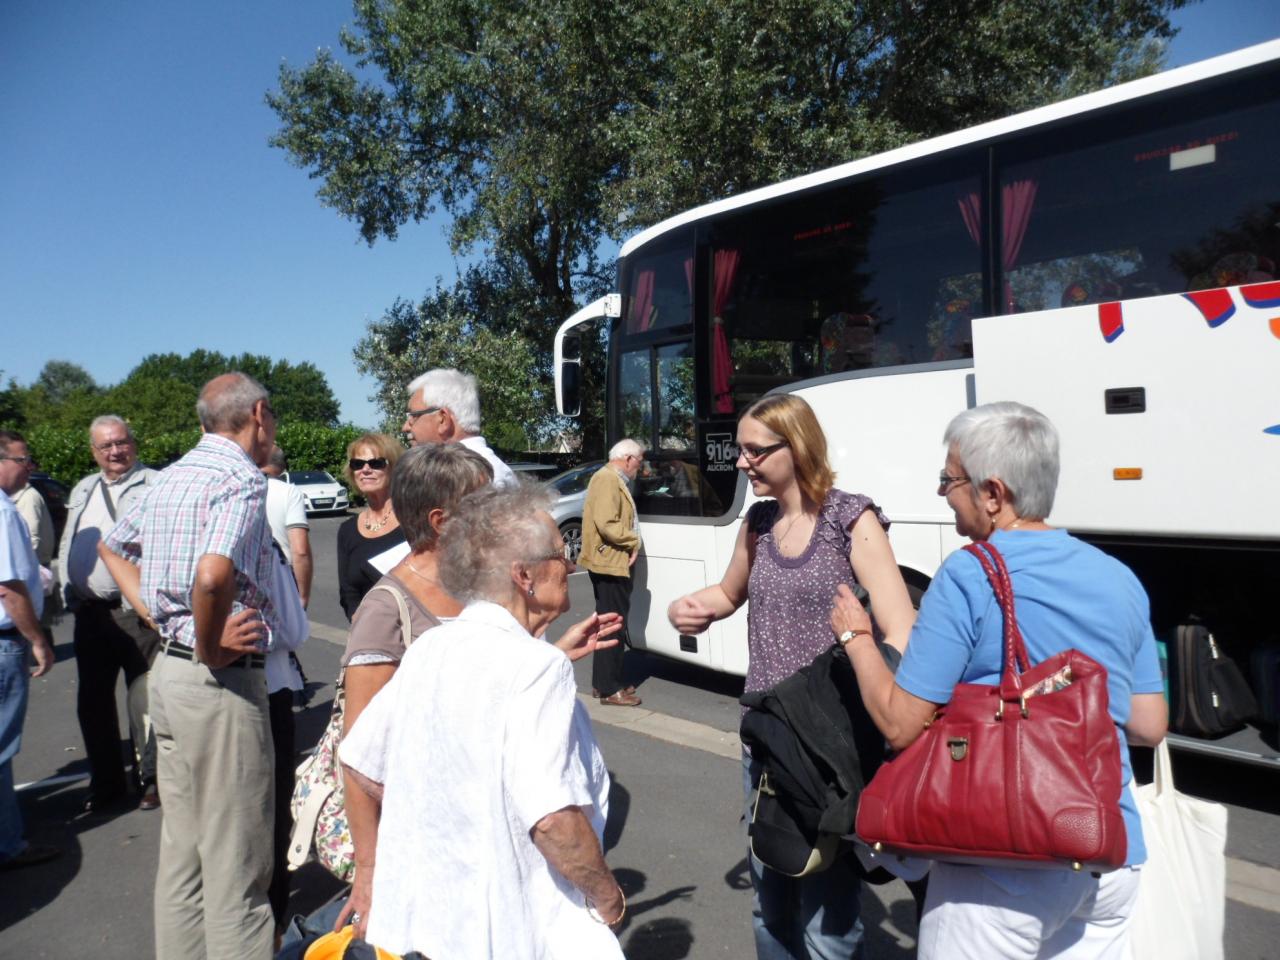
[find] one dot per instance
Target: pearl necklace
(373, 526)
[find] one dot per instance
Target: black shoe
(29, 857)
(104, 802)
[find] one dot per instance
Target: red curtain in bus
(726, 270)
(641, 302)
(1016, 200)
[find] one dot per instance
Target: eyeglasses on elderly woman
(373, 463)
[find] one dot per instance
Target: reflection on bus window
(659, 290)
(861, 275)
(676, 413)
(1188, 205)
(635, 395)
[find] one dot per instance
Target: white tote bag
(1182, 888)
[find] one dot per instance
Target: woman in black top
(374, 530)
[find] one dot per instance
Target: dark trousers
(280, 706)
(108, 640)
(613, 595)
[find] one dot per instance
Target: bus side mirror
(569, 378)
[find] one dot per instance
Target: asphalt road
(674, 837)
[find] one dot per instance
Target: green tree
(545, 129)
(59, 379)
(299, 392)
(442, 331)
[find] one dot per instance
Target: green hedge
(65, 455)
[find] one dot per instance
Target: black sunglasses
(373, 463)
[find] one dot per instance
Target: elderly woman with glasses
(999, 479)
(493, 792)
(797, 545)
(373, 531)
(427, 484)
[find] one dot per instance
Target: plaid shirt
(212, 501)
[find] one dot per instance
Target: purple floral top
(789, 612)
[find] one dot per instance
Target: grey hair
(625, 448)
(277, 460)
(430, 477)
(1013, 442)
(227, 401)
(489, 531)
(454, 391)
(110, 420)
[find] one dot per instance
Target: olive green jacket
(608, 525)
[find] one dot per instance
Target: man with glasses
(610, 545)
(21, 600)
(444, 407)
(109, 636)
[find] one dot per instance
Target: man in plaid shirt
(201, 540)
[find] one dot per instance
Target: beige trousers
(216, 779)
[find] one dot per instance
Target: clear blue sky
(143, 211)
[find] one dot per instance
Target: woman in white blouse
(493, 791)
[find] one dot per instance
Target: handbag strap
(1016, 659)
(406, 628)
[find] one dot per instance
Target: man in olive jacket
(610, 545)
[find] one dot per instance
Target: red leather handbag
(1025, 773)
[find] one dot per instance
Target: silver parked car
(567, 511)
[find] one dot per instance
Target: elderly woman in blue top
(1000, 476)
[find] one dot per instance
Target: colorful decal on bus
(1216, 306)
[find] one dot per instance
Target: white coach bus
(1110, 260)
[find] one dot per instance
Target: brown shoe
(596, 693)
(150, 798)
(621, 699)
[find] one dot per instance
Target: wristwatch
(850, 634)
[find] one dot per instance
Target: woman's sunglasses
(373, 463)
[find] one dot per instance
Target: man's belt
(11, 633)
(99, 603)
(249, 660)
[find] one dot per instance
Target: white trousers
(982, 913)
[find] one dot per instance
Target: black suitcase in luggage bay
(1209, 695)
(1264, 664)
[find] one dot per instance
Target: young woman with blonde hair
(794, 550)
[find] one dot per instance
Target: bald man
(195, 558)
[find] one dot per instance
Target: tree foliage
(442, 331)
(59, 379)
(158, 397)
(546, 129)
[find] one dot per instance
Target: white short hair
(453, 390)
(625, 448)
(110, 420)
(1011, 441)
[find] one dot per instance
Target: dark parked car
(55, 495)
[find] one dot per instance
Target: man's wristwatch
(850, 634)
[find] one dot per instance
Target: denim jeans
(14, 680)
(795, 918)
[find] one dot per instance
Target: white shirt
(286, 508)
(503, 476)
(479, 735)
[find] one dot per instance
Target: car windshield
(575, 480)
(310, 476)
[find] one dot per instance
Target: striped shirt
(212, 501)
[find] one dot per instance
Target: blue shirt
(1067, 594)
(17, 559)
